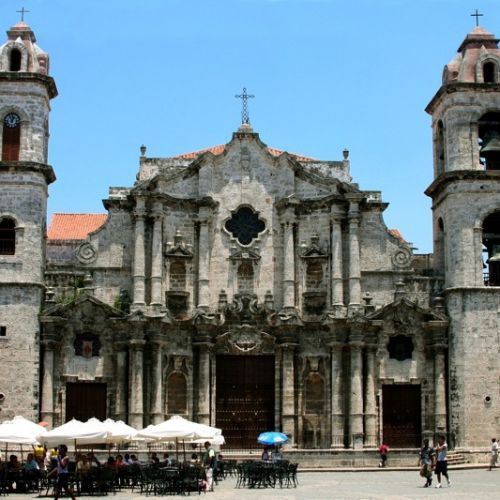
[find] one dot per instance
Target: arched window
(15, 60)
(489, 72)
(245, 277)
(489, 138)
(11, 137)
(178, 276)
(177, 394)
(7, 237)
(491, 244)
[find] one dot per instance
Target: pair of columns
(139, 271)
(362, 426)
(337, 263)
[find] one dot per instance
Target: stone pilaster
(356, 394)
(337, 391)
(204, 258)
(288, 261)
(203, 403)
(139, 269)
(157, 258)
(121, 381)
(336, 264)
(439, 389)
(156, 409)
(136, 406)
(371, 433)
(288, 413)
(49, 344)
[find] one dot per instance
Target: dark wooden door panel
(401, 415)
(85, 400)
(244, 398)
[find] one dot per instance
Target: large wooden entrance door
(85, 400)
(401, 407)
(244, 398)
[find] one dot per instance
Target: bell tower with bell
(25, 93)
(465, 196)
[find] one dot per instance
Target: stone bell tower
(466, 223)
(25, 92)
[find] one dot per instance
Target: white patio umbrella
(78, 433)
(20, 430)
(119, 431)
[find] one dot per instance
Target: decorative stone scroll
(245, 339)
(86, 253)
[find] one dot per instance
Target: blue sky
(327, 75)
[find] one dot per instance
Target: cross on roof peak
(22, 12)
(477, 15)
(245, 117)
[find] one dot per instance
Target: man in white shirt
(494, 453)
(442, 461)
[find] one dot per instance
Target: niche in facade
(87, 345)
(315, 394)
(400, 347)
(176, 394)
(15, 60)
(245, 277)
(245, 225)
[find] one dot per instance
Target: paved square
(466, 484)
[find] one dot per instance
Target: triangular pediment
(83, 306)
(404, 310)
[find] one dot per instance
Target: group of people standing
(434, 459)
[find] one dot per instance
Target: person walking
(62, 473)
(494, 453)
(209, 464)
(383, 451)
(442, 461)
(426, 462)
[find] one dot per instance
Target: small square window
(3, 331)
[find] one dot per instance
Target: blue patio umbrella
(272, 438)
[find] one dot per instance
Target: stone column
(157, 258)
(139, 257)
(121, 386)
(336, 270)
(337, 390)
(354, 264)
(136, 410)
(356, 394)
(47, 402)
(370, 399)
(204, 259)
(156, 410)
(288, 263)
(203, 410)
(439, 390)
(288, 392)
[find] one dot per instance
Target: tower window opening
(11, 137)
(15, 60)
(489, 140)
(489, 72)
(491, 249)
(7, 237)
(440, 147)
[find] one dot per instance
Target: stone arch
(5, 58)
(177, 403)
(489, 139)
(485, 59)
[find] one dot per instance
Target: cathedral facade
(255, 289)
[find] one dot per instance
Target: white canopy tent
(21, 431)
(119, 431)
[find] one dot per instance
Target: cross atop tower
(245, 117)
(477, 16)
(22, 12)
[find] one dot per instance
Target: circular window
(245, 225)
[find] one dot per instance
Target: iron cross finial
(22, 12)
(245, 117)
(477, 16)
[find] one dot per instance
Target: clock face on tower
(11, 120)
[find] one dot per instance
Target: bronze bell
(495, 254)
(491, 143)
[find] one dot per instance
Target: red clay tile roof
(74, 226)
(217, 150)
(397, 234)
